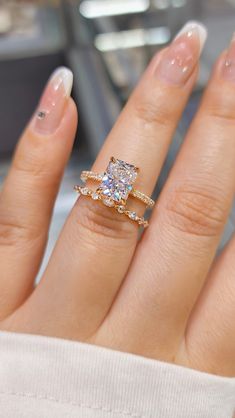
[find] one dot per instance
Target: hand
(165, 297)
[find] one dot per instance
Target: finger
(177, 250)
(28, 194)
(210, 337)
(211, 329)
(97, 244)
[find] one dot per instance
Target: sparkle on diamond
(118, 179)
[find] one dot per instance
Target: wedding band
(85, 191)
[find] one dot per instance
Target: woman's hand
(166, 296)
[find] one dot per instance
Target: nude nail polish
(53, 102)
(228, 69)
(180, 59)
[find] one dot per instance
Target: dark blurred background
(107, 44)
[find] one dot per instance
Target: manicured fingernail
(180, 59)
(228, 69)
(53, 101)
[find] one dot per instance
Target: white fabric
(45, 377)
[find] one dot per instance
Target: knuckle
(222, 114)
(103, 222)
(148, 113)
(32, 159)
(13, 233)
(147, 110)
(195, 212)
(219, 104)
(33, 167)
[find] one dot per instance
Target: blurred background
(107, 44)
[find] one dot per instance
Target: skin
(166, 296)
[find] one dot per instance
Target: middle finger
(178, 249)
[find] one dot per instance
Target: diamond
(133, 216)
(108, 202)
(118, 179)
(121, 209)
(84, 191)
(121, 169)
(95, 196)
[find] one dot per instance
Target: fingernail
(228, 69)
(53, 101)
(180, 59)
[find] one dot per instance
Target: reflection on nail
(180, 59)
(228, 70)
(189, 30)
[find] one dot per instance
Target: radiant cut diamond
(118, 179)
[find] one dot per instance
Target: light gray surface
(48, 35)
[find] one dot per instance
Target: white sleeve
(44, 377)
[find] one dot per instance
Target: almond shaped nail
(190, 28)
(53, 101)
(228, 69)
(180, 59)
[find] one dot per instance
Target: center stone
(117, 180)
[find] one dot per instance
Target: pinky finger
(211, 331)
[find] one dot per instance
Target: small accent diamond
(84, 191)
(121, 209)
(132, 215)
(108, 202)
(95, 196)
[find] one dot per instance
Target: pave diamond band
(85, 191)
(90, 175)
